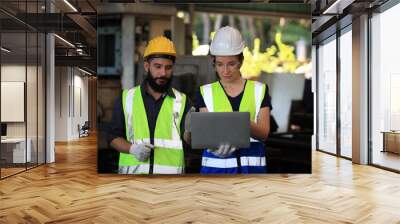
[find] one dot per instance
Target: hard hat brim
(166, 56)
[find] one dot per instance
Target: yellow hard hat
(160, 46)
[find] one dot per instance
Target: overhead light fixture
(337, 7)
(282, 21)
(180, 14)
(5, 50)
(65, 41)
(80, 51)
(86, 72)
(70, 5)
(78, 44)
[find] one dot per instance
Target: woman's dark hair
(240, 57)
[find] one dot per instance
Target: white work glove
(223, 151)
(141, 151)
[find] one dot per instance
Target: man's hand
(224, 150)
(141, 151)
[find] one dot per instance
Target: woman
(233, 93)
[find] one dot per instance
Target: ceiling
(23, 48)
(214, 1)
(293, 10)
(334, 14)
(76, 24)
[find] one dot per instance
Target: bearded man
(148, 121)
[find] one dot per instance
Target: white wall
(79, 117)
(14, 73)
(61, 103)
(284, 88)
(71, 94)
(33, 126)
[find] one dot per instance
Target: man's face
(159, 73)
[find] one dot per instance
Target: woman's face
(228, 68)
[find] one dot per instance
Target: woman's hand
(223, 151)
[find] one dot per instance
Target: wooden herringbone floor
(70, 191)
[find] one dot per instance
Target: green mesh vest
(216, 100)
(168, 151)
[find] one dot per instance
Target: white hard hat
(227, 42)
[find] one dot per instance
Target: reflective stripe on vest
(166, 143)
(232, 162)
(216, 100)
(144, 169)
(168, 151)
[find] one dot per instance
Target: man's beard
(157, 87)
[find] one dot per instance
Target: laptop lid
(210, 129)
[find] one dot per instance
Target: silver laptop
(210, 129)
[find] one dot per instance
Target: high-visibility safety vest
(252, 160)
(168, 146)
